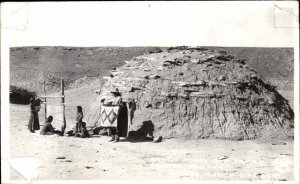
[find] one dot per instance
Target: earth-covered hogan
(198, 93)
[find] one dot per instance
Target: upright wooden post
(129, 121)
(63, 104)
(129, 117)
(45, 101)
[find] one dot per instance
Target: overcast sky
(149, 23)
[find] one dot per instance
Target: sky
(250, 24)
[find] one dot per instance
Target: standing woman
(117, 100)
(34, 123)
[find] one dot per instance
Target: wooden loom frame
(62, 96)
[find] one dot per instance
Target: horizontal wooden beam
(54, 104)
(61, 96)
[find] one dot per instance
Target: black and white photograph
(171, 91)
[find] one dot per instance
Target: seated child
(82, 131)
(80, 128)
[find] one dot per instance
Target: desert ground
(64, 158)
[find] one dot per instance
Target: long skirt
(122, 122)
(34, 123)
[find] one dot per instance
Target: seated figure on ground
(82, 131)
(48, 128)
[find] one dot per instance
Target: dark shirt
(38, 102)
(35, 105)
(32, 108)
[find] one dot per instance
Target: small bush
(177, 48)
(155, 50)
(18, 95)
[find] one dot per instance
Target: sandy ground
(96, 158)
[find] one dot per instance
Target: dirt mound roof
(198, 93)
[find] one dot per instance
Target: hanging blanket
(109, 115)
(56, 110)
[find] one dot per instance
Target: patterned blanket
(109, 116)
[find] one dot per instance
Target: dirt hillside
(78, 66)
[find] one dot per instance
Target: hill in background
(29, 66)
(276, 65)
